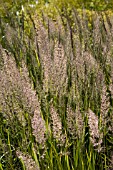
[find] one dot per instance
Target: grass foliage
(56, 87)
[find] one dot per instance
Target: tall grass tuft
(56, 88)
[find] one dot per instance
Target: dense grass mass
(56, 86)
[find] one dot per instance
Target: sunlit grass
(56, 92)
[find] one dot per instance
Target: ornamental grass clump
(63, 66)
(52, 57)
(17, 94)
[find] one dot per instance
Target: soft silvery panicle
(43, 43)
(95, 135)
(96, 30)
(39, 129)
(53, 58)
(16, 93)
(57, 126)
(27, 160)
(59, 67)
(75, 122)
(105, 105)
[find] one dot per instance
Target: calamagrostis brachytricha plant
(57, 126)
(75, 123)
(29, 163)
(59, 68)
(16, 91)
(53, 58)
(39, 129)
(96, 30)
(95, 135)
(43, 42)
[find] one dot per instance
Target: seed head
(95, 135)
(27, 160)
